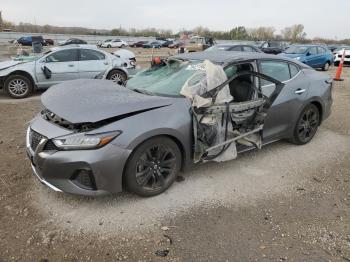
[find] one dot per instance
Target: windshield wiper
(142, 91)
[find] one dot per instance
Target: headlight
(85, 141)
(297, 58)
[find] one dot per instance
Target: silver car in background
(94, 137)
(19, 77)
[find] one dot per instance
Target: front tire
(117, 77)
(153, 167)
(18, 86)
(326, 66)
(307, 125)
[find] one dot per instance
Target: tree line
(294, 33)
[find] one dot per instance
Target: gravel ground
(282, 203)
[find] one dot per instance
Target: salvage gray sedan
(94, 137)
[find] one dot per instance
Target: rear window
(275, 69)
(86, 55)
(294, 70)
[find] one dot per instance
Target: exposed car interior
(242, 87)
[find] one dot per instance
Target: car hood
(10, 63)
(90, 101)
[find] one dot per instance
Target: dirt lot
(283, 203)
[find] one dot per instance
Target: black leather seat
(241, 89)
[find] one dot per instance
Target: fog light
(85, 179)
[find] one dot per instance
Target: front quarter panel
(173, 120)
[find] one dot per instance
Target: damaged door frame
(226, 109)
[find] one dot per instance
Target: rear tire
(336, 63)
(326, 66)
(153, 167)
(307, 125)
(18, 86)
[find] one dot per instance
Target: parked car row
(109, 43)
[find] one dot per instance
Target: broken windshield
(164, 80)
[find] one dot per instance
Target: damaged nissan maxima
(94, 137)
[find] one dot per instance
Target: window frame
(279, 60)
(74, 49)
(236, 46)
(321, 48)
(308, 51)
(251, 48)
(80, 50)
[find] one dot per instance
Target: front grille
(35, 139)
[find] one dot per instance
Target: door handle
(299, 91)
(71, 65)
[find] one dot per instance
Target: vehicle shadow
(4, 98)
(278, 168)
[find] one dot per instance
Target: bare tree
(294, 33)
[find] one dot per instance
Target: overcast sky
(323, 18)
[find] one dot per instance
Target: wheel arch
(319, 107)
(170, 136)
(23, 73)
(118, 69)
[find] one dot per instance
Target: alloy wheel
(18, 87)
(156, 166)
(308, 124)
(117, 78)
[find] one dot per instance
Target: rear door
(322, 56)
(312, 57)
(91, 63)
(281, 116)
(57, 67)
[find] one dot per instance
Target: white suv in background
(338, 55)
(19, 78)
(115, 43)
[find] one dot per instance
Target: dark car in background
(176, 44)
(49, 41)
(167, 43)
(273, 47)
(234, 47)
(316, 56)
(73, 41)
(29, 40)
(139, 44)
(154, 44)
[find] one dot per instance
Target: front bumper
(82, 172)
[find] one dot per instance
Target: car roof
(75, 46)
(309, 45)
(233, 44)
(226, 57)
